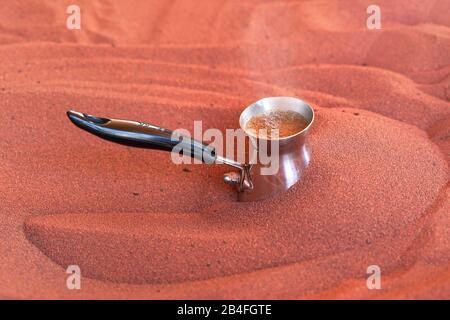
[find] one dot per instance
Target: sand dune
(377, 191)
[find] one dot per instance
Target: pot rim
(292, 100)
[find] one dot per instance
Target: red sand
(377, 191)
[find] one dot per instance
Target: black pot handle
(142, 135)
